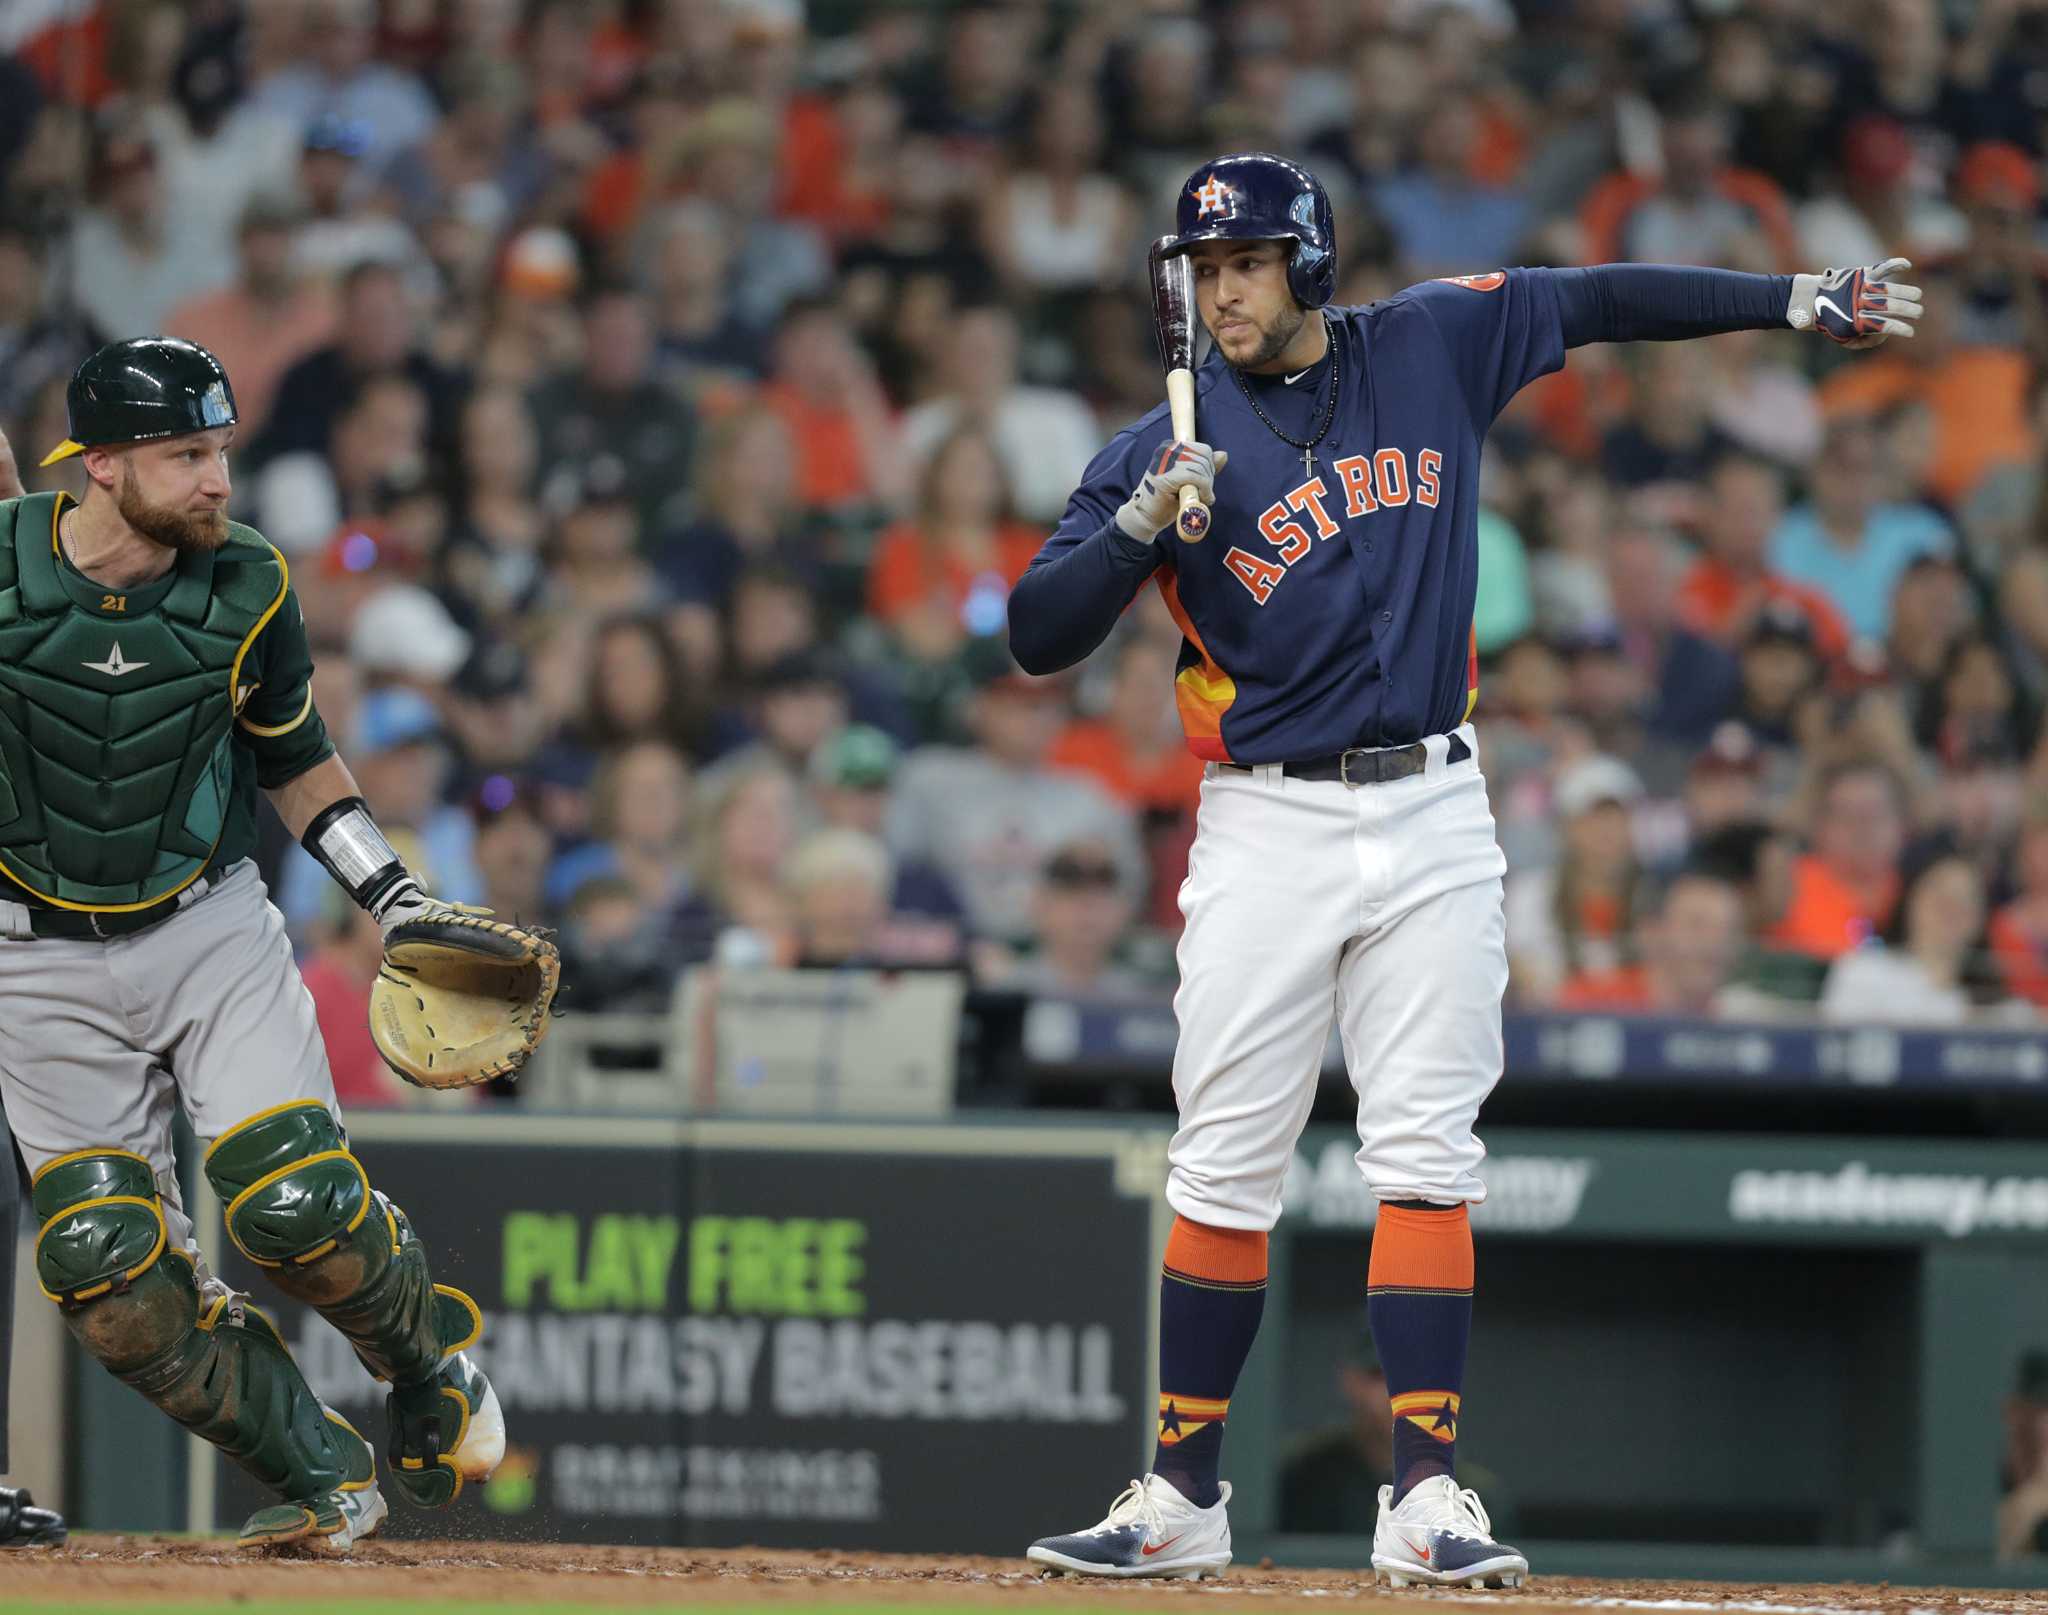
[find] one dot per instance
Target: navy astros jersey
(1330, 606)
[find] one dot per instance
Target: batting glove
(1156, 500)
(407, 901)
(1858, 308)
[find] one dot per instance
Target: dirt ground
(140, 1571)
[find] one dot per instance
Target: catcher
(154, 675)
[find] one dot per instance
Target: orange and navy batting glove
(1858, 308)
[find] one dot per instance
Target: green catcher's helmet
(142, 388)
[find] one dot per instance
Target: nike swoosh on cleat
(1160, 1547)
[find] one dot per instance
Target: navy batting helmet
(1256, 196)
(145, 387)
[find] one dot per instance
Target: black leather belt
(1362, 767)
(78, 925)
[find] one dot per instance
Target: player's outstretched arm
(1668, 302)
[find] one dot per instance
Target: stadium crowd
(657, 398)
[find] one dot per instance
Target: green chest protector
(117, 714)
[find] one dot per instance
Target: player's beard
(189, 531)
(1273, 338)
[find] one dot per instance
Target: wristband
(353, 850)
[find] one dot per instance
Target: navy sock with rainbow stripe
(1212, 1292)
(1419, 1300)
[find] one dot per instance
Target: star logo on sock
(1169, 1420)
(1447, 1419)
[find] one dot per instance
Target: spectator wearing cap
(613, 404)
(595, 565)
(335, 74)
(403, 637)
(1781, 673)
(849, 454)
(1044, 436)
(490, 571)
(2019, 930)
(1846, 888)
(1846, 543)
(852, 775)
(1690, 947)
(491, 711)
(991, 813)
(1999, 268)
(270, 318)
(377, 336)
(342, 228)
(1720, 595)
(1725, 784)
(132, 256)
(1579, 915)
(1873, 209)
(1978, 395)
(1081, 914)
(1930, 966)
(793, 706)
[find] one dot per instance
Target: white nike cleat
(1151, 1531)
(1440, 1536)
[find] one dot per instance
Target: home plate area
(141, 1573)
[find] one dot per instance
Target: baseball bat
(1173, 322)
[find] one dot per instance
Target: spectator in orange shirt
(824, 388)
(1690, 949)
(267, 320)
(962, 551)
(1845, 889)
(1720, 596)
(1135, 750)
(1978, 395)
(2019, 931)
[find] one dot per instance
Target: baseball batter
(1344, 865)
(154, 676)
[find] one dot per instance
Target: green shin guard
(301, 1207)
(225, 1376)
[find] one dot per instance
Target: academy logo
(1217, 200)
(114, 666)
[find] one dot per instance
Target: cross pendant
(1308, 461)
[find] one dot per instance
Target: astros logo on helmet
(1217, 199)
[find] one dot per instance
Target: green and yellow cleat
(331, 1523)
(447, 1429)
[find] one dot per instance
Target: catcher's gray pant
(99, 1040)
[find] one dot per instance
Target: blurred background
(656, 400)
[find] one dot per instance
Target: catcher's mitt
(461, 998)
